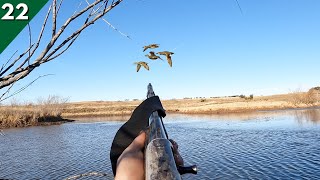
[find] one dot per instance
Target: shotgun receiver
(159, 157)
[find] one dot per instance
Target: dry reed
(45, 111)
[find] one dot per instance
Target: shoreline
(124, 117)
(38, 122)
(68, 112)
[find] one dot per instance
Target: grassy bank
(54, 110)
(44, 112)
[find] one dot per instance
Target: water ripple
(232, 152)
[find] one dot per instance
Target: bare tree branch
(90, 14)
(64, 26)
(54, 17)
(51, 51)
(57, 55)
(36, 45)
(30, 53)
(30, 39)
(13, 63)
(41, 32)
(82, 28)
(75, 37)
(38, 42)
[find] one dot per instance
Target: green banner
(14, 16)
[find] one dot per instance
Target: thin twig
(115, 28)
(30, 39)
(6, 92)
(74, 39)
(87, 2)
(106, 4)
(77, 8)
(59, 6)
(24, 87)
(96, 11)
(239, 6)
(4, 65)
(90, 14)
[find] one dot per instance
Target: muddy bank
(43, 121)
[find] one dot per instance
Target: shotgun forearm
(159, 160)
(160, 164)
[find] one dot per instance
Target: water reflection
(307, 116)
(101, 118)
(301, 115)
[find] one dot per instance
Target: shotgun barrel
(159, 158)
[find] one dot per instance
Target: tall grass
(30, 114)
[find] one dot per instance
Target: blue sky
(273, 47)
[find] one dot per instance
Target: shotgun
(159, 158)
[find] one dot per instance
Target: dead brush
(29, 114)
(298, 97)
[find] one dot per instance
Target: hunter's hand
(130, 164)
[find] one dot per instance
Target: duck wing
(138, 67)
(169, 60)
(145, 65)
(145, 48)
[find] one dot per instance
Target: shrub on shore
(245, 97)
(29, 114)
(308, 98)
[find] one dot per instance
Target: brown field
(195, 106)
(54, 110)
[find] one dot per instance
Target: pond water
(262, 145)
